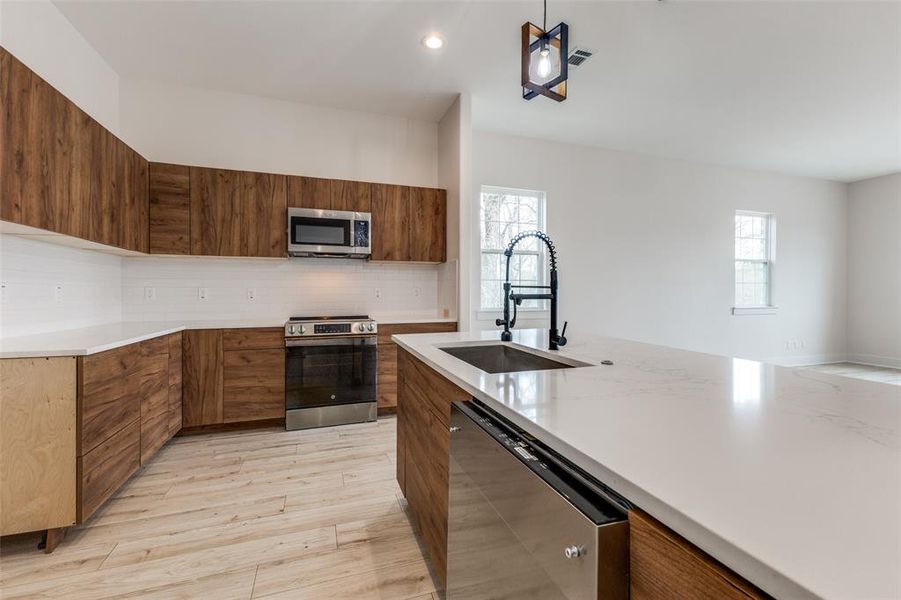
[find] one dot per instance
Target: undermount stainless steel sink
(503, 358)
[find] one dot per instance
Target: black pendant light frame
(535, 38)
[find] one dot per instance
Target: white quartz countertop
(99, 338)
(790, 477)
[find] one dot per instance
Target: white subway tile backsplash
(96, 288)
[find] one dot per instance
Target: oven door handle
(368, 340)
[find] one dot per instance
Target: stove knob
(371, 327)
(362, 327)
(303, 329)
(292, 329)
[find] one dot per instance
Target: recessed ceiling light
(433, 41)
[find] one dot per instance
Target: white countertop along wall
(790, 477)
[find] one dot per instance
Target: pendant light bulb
(544, 62)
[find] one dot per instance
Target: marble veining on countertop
(789, 476)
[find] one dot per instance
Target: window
(505, 213)
(753, 259)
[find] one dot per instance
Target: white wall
(40, 36)
(874, 271)
(90, 287)
(282, 288)
(194, 126)
(645, 247)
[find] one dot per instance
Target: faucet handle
(499, 322)
(562, 340)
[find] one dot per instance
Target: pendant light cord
(544, 24)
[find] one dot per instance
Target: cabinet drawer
(254, 385)
(102, 470)
(109, 395)
(386, 331)
(253, 339)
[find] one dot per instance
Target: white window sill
(754, 310)
(522, 313)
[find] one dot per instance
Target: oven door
(314, 231)
(330, 372)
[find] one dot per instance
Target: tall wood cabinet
(62, 170)
(233, 375)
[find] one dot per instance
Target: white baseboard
(874, 360)
(805, 361)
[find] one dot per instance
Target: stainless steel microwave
(329, 233)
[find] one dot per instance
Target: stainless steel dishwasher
(524, 523)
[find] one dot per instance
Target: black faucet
(555, 340)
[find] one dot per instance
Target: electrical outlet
(58, 293)
(3, 293)
(251, 294)
(378, 292)
(416, 292)
(201, 293)
(150, 294)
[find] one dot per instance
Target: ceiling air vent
(578, 57)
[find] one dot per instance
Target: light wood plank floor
(870, 373)
(251, 514)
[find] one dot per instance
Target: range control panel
(330, 327)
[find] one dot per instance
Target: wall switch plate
(416, 292)
(58, 293)
(150, 294)
(202, 293)
(3, 293)
(251, 294)
(378, 292)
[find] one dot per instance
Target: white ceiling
(808, 88)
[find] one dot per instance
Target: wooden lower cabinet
(387, 361)
(423, 446)
(233, 375)
(175, 384)
(125, 400)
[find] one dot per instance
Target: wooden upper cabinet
(351, 195)
(428, 230)
(170, 209)
(237, 213)
(390, 222)
(62, 171)
(309, 192)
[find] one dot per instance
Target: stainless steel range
(330, 371)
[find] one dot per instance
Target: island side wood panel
(423, 445)
(37, 444)
(664, 565)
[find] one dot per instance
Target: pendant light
(544, 60)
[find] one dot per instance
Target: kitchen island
(788, 477)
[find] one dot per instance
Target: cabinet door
(237, 213)
(254, 385)
(264, 228)
(170, 209)
(175, 383)
(133, 225)
(351, 195)
(390, 222)
(428, 234)
(309, 192)
(202, 377)
(216, 212)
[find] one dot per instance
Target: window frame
(486, 313)
(770, 260)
